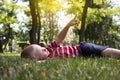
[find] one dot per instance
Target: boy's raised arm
(63, 33)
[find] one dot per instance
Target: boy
(84, 49)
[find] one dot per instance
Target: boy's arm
(63, 33)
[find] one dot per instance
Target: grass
(12, 67)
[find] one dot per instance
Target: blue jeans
(91, 50)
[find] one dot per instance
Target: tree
(8, 17)
(83, 20)
(36, 8)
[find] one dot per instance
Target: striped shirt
(62, 51)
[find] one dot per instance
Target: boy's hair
(28, 52)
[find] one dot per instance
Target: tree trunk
(84, 15)
(1, 50)
(38, 22)
(34, 22)
(39, 29)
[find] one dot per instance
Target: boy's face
(40, 53)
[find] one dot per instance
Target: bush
(23, 44)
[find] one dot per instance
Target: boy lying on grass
(84, 49)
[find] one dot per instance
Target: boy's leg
(111, 52)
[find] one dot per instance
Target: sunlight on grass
(9, 54)
(12, 67)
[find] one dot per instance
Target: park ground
(12, 67)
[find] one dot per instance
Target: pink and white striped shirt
(62, 51)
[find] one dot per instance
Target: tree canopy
(98, 21)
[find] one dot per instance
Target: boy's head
(35, 52)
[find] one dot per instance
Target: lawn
(12, 67)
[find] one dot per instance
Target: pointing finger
(75, 16)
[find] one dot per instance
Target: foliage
(43, 13)
(13, 67)
(8, 17)
(102, 23)
(48, 10)
(99, 22)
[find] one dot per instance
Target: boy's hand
(63, 33)
(74, 21)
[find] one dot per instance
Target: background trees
(42, 9)
(8, 17)
(97, 24)
(97, 21)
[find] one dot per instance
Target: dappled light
(43, 22)
(39, 21)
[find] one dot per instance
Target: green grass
(12, 67)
